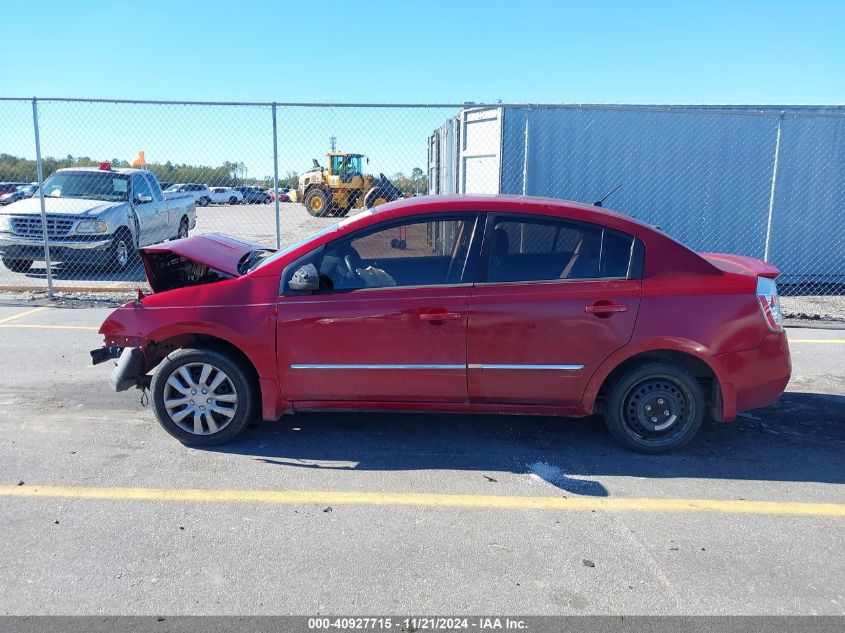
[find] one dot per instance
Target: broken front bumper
(129, 369)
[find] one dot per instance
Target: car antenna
(598, 203)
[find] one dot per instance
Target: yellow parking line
(839, 341)
(23, 314)
(38, 326)
(327, 498)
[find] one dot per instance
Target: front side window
(140, 188)
(533, 249)
(426, 252)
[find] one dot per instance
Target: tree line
(16, 169)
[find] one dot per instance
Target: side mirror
(143, 199)
(305, 278)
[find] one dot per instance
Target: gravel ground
(813, 308)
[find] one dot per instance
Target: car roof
(505, 203)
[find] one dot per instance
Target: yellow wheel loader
(333, 191)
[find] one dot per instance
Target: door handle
(440, 316)
(604, 309)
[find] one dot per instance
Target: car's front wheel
(121, 252)
(655, 407)
(233, 200)
(204, 201)
(202, 397)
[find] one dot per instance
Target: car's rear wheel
(17, 265)
(233, 200)
(202, 397)
(655, 407)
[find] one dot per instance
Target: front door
(556, 301)
(149, 212)
(389, 322)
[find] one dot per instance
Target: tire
(183, 229)
(17, 265)
(204, 201)
(233, 201)
(375, 197)
(184, 421)
(646, 395)
(317, 203)
(121, 252)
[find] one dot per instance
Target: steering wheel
(350, 266)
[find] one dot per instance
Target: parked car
(200, 192)
(94, 217)
(484, 304)
(165, 185)
(283, 195)
(226, 195)
(254, 195)
(10, 193)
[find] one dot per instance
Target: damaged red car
(484, 304)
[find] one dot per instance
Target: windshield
(287, 249)
(92, 185)
(329, 229)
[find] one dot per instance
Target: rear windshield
(93, 185)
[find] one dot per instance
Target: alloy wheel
(200, 398)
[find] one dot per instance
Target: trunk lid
(196, 260)
(740, 264)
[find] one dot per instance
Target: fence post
(525, 157)
(40, 173)
(767, 248)
(276, 180)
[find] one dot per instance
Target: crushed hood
(65, 206)
(195, 260)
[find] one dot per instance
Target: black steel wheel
(655, 408)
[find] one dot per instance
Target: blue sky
(429, 51)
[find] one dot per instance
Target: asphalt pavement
(367, 513)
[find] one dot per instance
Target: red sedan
(469, 303)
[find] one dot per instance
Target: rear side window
(535, 249)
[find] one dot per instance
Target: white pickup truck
(95, 217)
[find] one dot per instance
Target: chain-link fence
(760, 181)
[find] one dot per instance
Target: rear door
(555, 299)
(389, 322)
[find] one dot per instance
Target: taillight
(767, 296)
